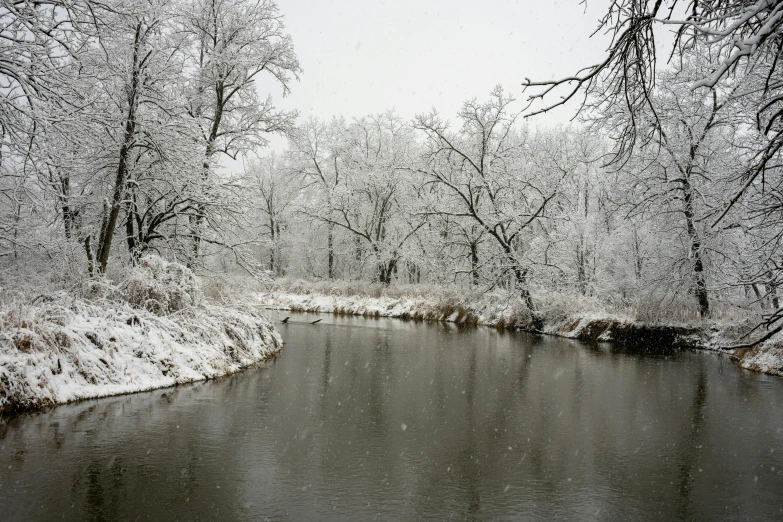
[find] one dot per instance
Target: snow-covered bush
(161, 286)
(229, 289)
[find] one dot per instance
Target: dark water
(364, 419)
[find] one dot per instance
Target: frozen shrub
(217, 289)
(226, 290)
(98, 288)
(265, 276)
(161, 286)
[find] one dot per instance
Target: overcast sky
(367, 56)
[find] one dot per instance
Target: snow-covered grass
(566, 315)
(766, 358)
(572, 316)
(438, 305)
(497, 309)
(151, 329)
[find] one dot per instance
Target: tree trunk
(330, 251)
(521, 278)
(386, 271)
(132, 235)
(700, 284)
(17, 218)
(414, 273)
(757, 293)
(90, 256)
(107, 231)
(358, 255)
(474, 263)
(581, 271)
(524, 293)
(772, 292)
(199, 219)
(637, 253)
(273, 230)
(69, 215)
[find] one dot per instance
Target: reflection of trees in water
(353, 401)
(322, 447)
(189, 474)
(535, 448)
(469, 472)
(690, 449)
(657, 409)
(142, 460)
(438, 386)
(461, 453)
(519, 386)
(93, 495)
(57, 436)
(482, 422)
(577, 389)
(326, 373)
(506, 413)
(98, 487)
(380, 371)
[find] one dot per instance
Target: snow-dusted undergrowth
(767, 358)
(575, 317)
(153, 329)
(570, 316)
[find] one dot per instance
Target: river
(362, 419)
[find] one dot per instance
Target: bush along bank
(150, 330)
(498, 310)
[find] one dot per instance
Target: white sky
(367, 56)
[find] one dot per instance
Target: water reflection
(362, 419)
(691, 447)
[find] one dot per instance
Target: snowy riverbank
(581, 319)
(152, 330)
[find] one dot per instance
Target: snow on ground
(149, 332)
(491, 311)
(497, 309)
(767, 358)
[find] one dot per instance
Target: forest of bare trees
(117, 118)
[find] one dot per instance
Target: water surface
(381, 419)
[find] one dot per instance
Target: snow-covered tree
(235, 43)
(484, 173)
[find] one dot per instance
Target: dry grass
(505, 311)
(339, 288)
(420, 303)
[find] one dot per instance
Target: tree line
(115, 118)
